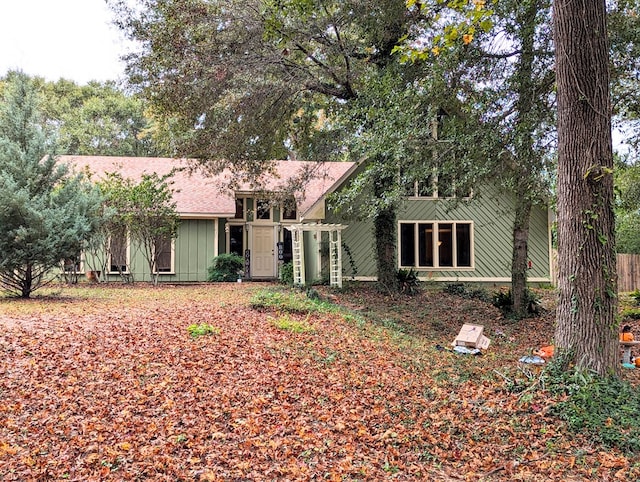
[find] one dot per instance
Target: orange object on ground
(626, 336)
(546, 351)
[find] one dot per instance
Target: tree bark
(586, 330)
(519, 263)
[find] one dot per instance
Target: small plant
(464, 291)
(503, 301)
(632, 313)
(408, 281)
(226, 267)
(202, 329)
(285, 322)
(286, 274)
(636, 297)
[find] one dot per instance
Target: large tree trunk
(586, 327)
(520, 260)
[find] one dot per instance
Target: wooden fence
(628, 271)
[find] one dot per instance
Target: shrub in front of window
(226, 267)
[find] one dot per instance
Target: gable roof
(199, 195)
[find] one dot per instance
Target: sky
(71, 39)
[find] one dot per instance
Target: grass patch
(203, 329)
(290, 301)
(285, 322)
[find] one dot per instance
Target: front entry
(263, 252)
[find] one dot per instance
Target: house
(469, 240)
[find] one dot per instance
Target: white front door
(263, 252)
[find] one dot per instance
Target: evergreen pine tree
(46, 214)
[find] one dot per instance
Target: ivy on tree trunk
(586, 323)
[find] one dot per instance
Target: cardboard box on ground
(472, 336)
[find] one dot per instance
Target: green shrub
(503, 301)
(408, 281)
(226, 267)
(286, 274)
(636, 296)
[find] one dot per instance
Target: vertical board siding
(194, 250)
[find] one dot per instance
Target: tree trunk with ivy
(586, 329)
(519, 263)
(384, 226)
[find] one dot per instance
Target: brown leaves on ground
(108, 384)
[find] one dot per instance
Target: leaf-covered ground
(107, 383)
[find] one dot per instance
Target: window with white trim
(436, 244)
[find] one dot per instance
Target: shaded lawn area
(107, 383)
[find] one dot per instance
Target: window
(287, 246)
(164, 254)
(289, 212)
(263, 210)
(236, 239)
(444, 245)
(72, 265)
(239, 208)
(118, 250)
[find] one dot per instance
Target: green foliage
(226, 267)
(633, 313)
(408, 281)
(627, 182)
(285, 322)
(291, 301)
(635, 295)
(286, 274)
(202, 329)
(47, 214)
(146, 210)
(466, 291)
(607, 409)
(97, 119)
(503, 301)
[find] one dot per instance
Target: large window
(119, 252)
(437, 244)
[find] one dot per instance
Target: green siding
(492, 215)
(194, 250)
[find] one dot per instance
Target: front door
(263, 252)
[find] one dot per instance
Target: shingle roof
(200, 195)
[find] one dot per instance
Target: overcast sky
(72, 39)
